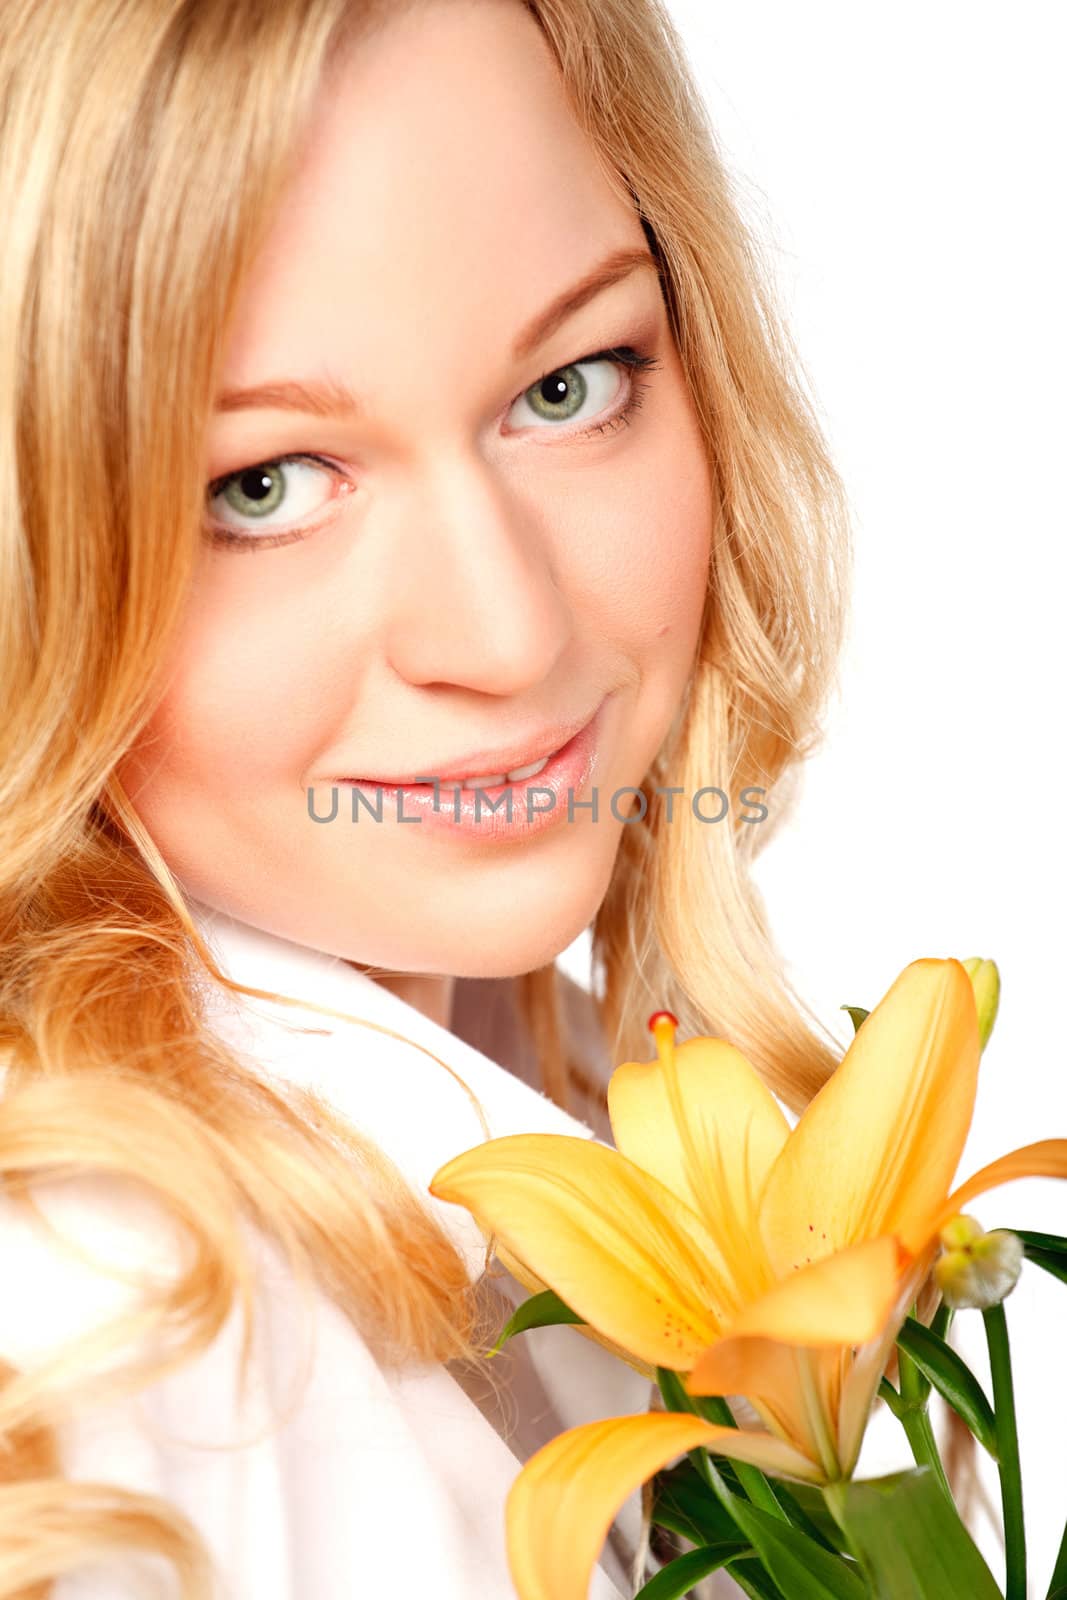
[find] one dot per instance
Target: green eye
(242, 504)
(584, 389)
(603, 390)
(560, 396)
(256, 492)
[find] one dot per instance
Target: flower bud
(985, 981)
(977, 1268)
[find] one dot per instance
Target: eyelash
(624, 355)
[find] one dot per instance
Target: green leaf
(544, 1310)
(939, 1325)
(686, 1478)
(750, 1577)
(1011, 1488)
(714, 1408)
(1054, 1243)
(1047, 1250)
(676, 1580)
(806, 1507)
(952, 1378)
(676, 1396)
(909, 1538)
(802, 1569)
(858, 1015)
(1054, 1264)
(683, 1502)
(1057, 1588)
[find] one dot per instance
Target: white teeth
(497, 778)
(492, 782)
(486, 783)
(528, 772)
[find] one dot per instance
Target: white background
(904, 166)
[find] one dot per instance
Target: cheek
(248, 699)
(639, 555)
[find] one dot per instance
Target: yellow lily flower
(758, 1260)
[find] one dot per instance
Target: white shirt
(373, 1483)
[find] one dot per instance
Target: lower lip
(467, 811)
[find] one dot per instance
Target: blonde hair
(142, 151)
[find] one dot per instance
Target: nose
(474, 599)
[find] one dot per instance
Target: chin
(508, 958)
(504, 929)
(496, 951)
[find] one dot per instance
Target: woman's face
(486, 552)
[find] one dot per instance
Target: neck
(429, 992)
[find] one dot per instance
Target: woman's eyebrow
(615, 267)
(330, 398)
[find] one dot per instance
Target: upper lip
(485, 763)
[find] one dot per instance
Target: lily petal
(614, 1243)
(875, 1151)
(864, 1371)
(766, 1372)
(529, 1280)
(714, 1148)
(1045, 1159)
(565, 1499)
(842, 1299)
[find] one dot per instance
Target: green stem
(911, 1379)
(1011, 1488)
(942, 1320)
(890, 1396)
(757, 1488)
(916, 1423)
(699, 1458)
(910, 1410)
(715, 1408)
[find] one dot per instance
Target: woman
(442, 313)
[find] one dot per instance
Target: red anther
(661, 1016)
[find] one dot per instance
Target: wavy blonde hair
(143, 149)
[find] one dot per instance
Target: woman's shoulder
(76, 1254)
(287, 1470)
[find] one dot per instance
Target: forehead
(444, 188)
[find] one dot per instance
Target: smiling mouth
(511, 804)
(492, 780)
(467, 777)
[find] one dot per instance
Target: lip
(560, 785)
(484, 761)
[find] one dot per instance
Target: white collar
(412, 1107)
